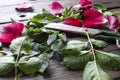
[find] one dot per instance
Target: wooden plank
(38, 5)
(111, 4)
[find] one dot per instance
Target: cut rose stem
(92, 48)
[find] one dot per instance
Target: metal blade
(74, 29)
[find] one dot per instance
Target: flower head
(93, 19)
(10, 32)
(56, 8)
(86, 3)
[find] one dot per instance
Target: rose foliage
(31, 52)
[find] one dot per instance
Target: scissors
(73, 29)
(17, 17)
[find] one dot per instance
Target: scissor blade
(16, 17)
(74, 29)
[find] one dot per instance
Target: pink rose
(10, 32)
(86, 3)
(93, 18)
(56, 8)
(113, 22)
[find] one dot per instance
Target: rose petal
(56, 8)
(113, 22)
(86, 3)
(4, 37)
(117, 26)
(14, 28)
(11, 31)
(24, 7)
(93, 18)
(73, 22)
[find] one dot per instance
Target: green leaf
(62, 37)
(6, 64)
(100, 7)
(20, 45)
(36, 47)
(116, 14)
(70, 52)
(51, 53)
(75, 46)
(49, 16)
(39, 16)
(3, 52)
(39, 20)
(108, 60)
(98, 43)
(37, 23)
(94, 72)
(68, 12)
(29, 65)
(108, 36)
(40, 37)
(45, 62)
(106, 13)
(37, 30)
(51, 38)
(77, 60)
(57, 45)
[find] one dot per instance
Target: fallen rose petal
(86, 3)
(56, 8)
(117, 26)
(24, 7)
(93, 19)
(113, 22)
(4, 37)
(14, 28)
(10, 32)
(73, 22)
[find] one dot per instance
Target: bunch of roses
(91, 17)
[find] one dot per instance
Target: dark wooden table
(57, 71)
